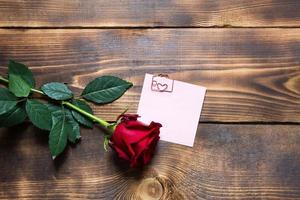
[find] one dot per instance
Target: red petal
(134, 131)
(120, 153)
(145, 149)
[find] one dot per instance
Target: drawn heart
(162, 87)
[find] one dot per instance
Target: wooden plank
(226, 162)
(251, 74)
(156, 13)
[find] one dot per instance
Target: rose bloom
(135, 141)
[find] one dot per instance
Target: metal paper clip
(162, 83)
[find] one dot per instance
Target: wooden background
(247, 53)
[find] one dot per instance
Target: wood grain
(251, 74)
(226, 162)
(155, 13)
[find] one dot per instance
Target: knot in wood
(150, 189)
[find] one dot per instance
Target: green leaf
(105, 89)
(60, 129)
(15, 116)
(52, 107)
(39, 114)
(64, 128)
(18, 86)
(79, 117)
(7, 101)
(57, 91)
(20, 79)
(75, 133)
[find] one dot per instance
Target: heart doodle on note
(162, 87)
(161, 84)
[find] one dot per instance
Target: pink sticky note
(176, 105)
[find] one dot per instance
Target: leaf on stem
(39, 114)
(79, 117)
(105, 89)
(20, 79)
(57, 91)
(74, 135)
(59, 133)
(15, 116)
(7, 101)
(64, 127)
(52, 107)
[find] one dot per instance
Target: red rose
(134, 141)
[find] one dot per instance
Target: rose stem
(90, 116)
(72, 106)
